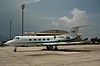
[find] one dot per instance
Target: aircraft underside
(48, 47)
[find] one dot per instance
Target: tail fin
(74, 31)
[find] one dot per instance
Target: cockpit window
(16, 37)
(30, 39)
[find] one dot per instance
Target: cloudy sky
(43, 15)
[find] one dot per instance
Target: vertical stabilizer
(74, 31)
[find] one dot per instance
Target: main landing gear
(15, 49)
(51, 48)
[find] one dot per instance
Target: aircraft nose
(8, 42)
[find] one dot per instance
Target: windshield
(16, 38)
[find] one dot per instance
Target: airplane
(51, 42)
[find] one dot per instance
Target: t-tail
(74, 32)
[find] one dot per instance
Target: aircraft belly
(25, 44)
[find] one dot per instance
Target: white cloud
(64, 19)
(27, 1)
(79, 17)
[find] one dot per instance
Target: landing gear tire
(49, 47)
(56, 48)
(15, 49)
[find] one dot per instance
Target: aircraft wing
(62, 43)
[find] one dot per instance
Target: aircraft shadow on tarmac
(58, 53)
(28, 50)
(63, 50)
(40, 53)
(69, 50)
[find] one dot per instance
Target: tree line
(95, 40)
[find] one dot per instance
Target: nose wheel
(15, 49)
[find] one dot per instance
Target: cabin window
(48, 39)
(34, 39)
(68, 37)
(39, 39)
(30, 39)
(54, 37)
(44, 39)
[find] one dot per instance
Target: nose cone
(8, 42)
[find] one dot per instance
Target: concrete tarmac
(74, 55)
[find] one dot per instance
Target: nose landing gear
(15, 49)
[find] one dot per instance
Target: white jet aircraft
(51, 42)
